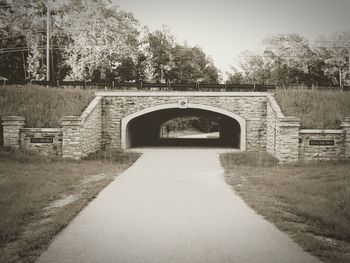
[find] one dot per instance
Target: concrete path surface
(172, 206)
(201, 135)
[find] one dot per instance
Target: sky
(225, 28)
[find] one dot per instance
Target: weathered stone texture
(82, 135)
(309, 152)
(282, 133)
(273, 113)
(50, 149)
(287, 137)
(11, 130)
(100, 125)
(71, 137)
(251, 108)
(345, 124)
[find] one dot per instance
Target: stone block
(11, 130)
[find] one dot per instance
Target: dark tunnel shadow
(145, 130)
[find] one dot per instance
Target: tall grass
(42, 107)
(311, 202)
(316, 109)
(29, 183)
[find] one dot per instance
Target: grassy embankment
(316, 109)
(309, 202)
(43, 107)
(40, 195)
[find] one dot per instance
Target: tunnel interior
(147, 130)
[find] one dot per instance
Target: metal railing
(113, 85)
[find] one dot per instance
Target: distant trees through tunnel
(183, 127)
(190, 127)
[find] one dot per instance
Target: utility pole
(349, 62)
(48, 41)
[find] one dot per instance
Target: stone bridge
(247, 121)
(135, 119)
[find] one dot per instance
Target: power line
(48, 19)
(20, 35)
(9, 6)
(28, 4)
(20, 49)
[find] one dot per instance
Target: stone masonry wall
(43, 148)
(91, 136)
(11, 130)
(251, 107)
(345, 125)
(309, 152)
(282, 133)
(287, 138)
(82, 135)
(273, 113)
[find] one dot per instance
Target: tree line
(96, 40)
(93, 40)
(290, 59)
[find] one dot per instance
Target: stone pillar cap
(345, 122)
(289, 119)
(71, 121)
(13, 118)
(289, 122)
(71, 118)
(345, 119)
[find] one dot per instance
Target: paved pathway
(201, 135)
(172, 206)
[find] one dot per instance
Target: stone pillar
(345, 125)
(11, 130)
(287, 141)
(71, 137)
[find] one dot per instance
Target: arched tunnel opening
(207, 129)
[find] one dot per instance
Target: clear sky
(225, 28)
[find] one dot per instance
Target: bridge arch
(125, 136)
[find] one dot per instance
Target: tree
(335, 52)
(289, 55)
(22, 27)
(234, 77)
(286, 59)
(160, 44)
(93, 40)
(178, 63)
(98, 36)
(255, 69)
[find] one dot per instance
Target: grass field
(309, 202)
(42, 107)
(39, 196)
(316, 109)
